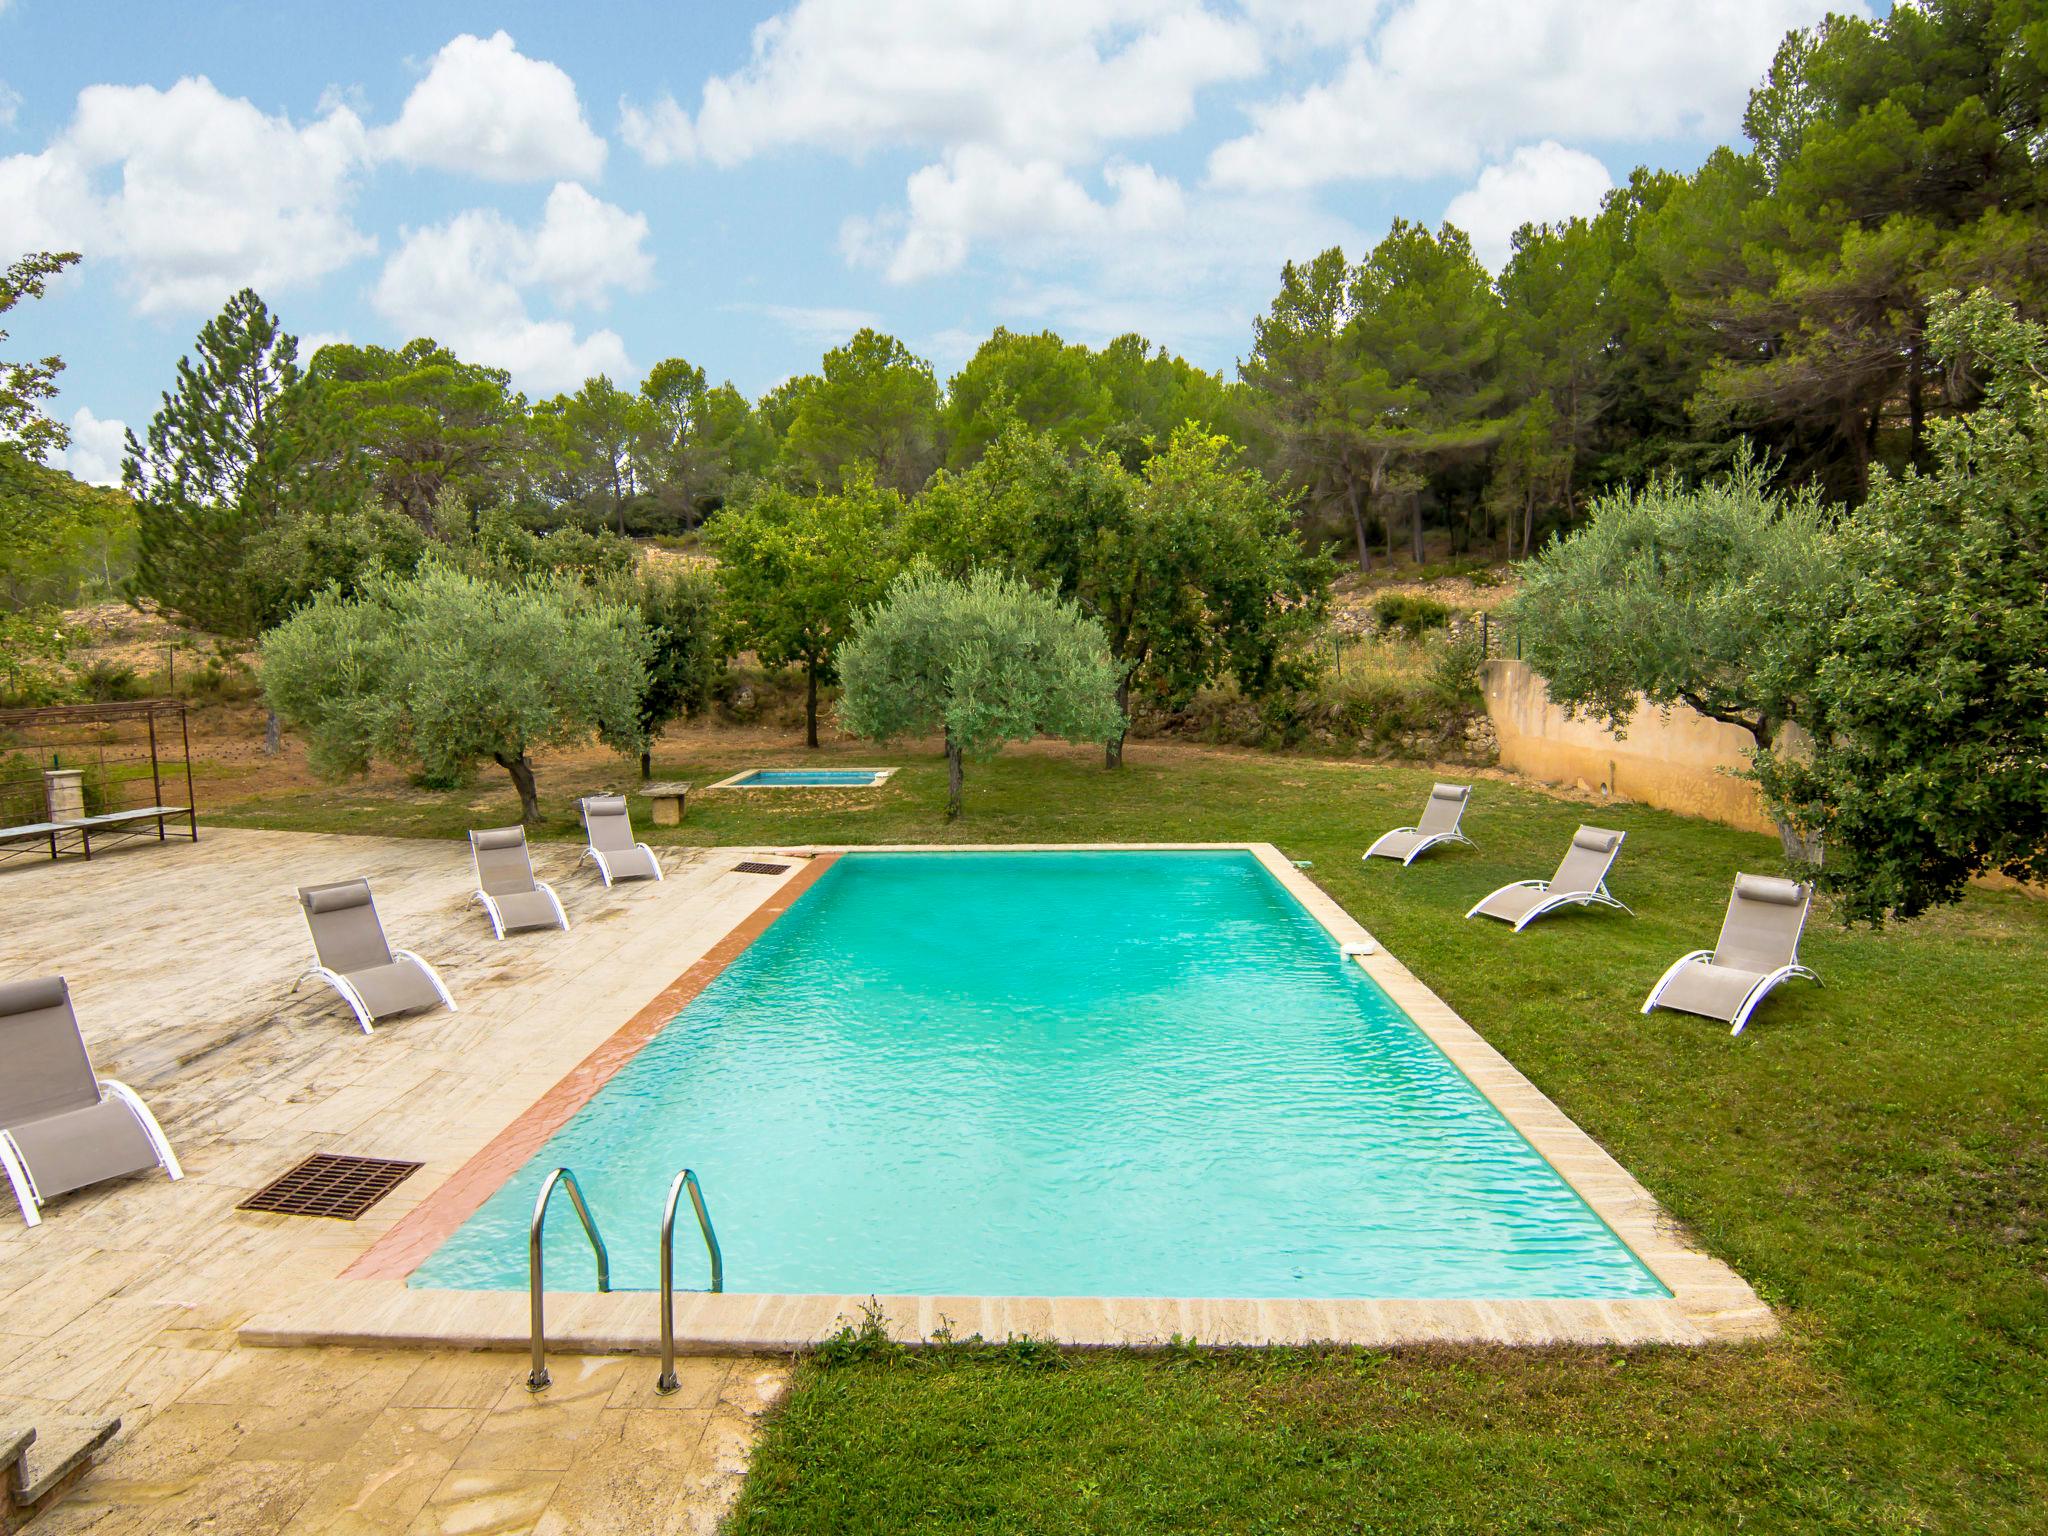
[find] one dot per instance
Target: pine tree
(1423, 387)
(204, 483)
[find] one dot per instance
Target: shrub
(1410, 614)
(1454, 662)
(109, 682)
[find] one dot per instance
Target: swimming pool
(1056, 1074)
(806, 778)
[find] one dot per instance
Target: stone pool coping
(739, 780)
(370, 1303)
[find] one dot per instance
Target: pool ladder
(537, 1379)
(684, 1180)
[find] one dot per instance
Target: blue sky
(558, 190)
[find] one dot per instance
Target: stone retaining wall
(1676, 760)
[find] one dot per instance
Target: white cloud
(463, 282)
(313, 341)
(96, 449)
(660, 134)
(192, 192)
(1194, 285)
(10, 99)
(824, 324)
(1034, 207)
(1317, 23)
(950, 347)
(1539, 184)
(1446, 84)
(585, 247)
(1040, 81)
(486, 109)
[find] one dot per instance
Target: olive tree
(983, 661)
(443, 670)
(1711, 597)
(1929, 695)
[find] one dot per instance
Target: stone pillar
(64, 792)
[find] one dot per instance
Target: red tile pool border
(406, 1246)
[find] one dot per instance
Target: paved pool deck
(129, 1299)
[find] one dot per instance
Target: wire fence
(125, 756)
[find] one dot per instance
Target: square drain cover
(756, 867)
(328, 1184)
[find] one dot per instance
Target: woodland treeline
(1400, 401)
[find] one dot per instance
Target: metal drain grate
(756, 867)
(328, 1184)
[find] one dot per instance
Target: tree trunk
(272, 741)
(1916, 404)
(1113, 749)
(810, 704)
(646, 764)
(1798, 847)
(521, 769)
(1528, 522)
(954, 774)
(1571, 456)
(1415, 525)
(1358, 528)
(1373, 487)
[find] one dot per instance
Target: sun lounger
(611, 841)
(62, 1126)
(1439, 824)
(1581, 880)
(505, 883)
(375, 980)
(1758, 948)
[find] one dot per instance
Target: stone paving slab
(126, 1299)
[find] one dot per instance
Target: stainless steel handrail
(684, 1180)
(537, 1379)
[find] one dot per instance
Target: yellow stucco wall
(1676, 760)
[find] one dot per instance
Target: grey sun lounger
(375, 980)
(62, 1126)
(1439, 824)
(1581, 880)
(1758, 948)
(618, 856)
(505, 885)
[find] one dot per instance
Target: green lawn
(1872, 1157)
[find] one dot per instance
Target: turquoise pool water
(815, 778)
(1054, 1074)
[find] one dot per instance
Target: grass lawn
(1872, 1157)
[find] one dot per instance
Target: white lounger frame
(349, 994)
(491, 906)
(30, 1199)
(605, 867)
(1427, 843)
(1756, 993)
(498, 918)
(1597, 896)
